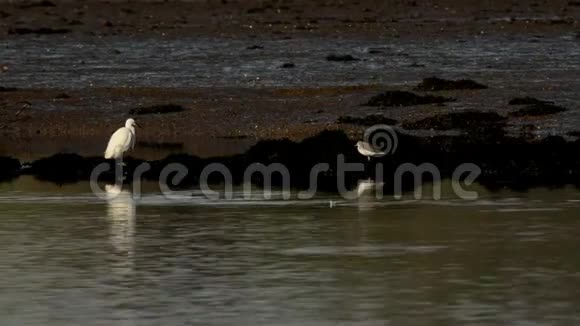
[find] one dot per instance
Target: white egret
(121, 141)
(368, 150)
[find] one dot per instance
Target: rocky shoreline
(507, 159)
(505, 162)
(230, 121)
(294, 82)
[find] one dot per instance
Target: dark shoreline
(223, 122)
(287, 115)
(505, 162)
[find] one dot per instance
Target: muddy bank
(439, 84)
(505, 162)
(239, 82)
(403, 98)
(297, 18)
(469, 121)
(36, 123)
(536, 110)
(369, 120)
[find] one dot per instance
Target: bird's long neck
(132, 129)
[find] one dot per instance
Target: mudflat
(237, 72)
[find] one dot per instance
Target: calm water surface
(70, 258)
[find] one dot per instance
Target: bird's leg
(123, 165)
(120, 159)
(119, 177)
(368, 172)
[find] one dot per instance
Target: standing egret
(368, 150)
(121, 141)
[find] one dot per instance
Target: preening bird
(121, 141)
(367, 150)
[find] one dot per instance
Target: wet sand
(297, 18)
(231, 102)
(215, 122)
(228, 121)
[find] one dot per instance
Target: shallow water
(71, 258)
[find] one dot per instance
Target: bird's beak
(136, 125)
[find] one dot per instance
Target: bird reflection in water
(121, 216)
(367, 191)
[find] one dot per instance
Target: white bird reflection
(366, 192)
(121, 214)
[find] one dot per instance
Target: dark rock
(70, 168)
(127, 11)
(465, 120)
(574, 133)
(39, 31)
(46, 3)
(62, 96)
(268, 151)
(298, 159)
(8, 89)
(438, 84)
(43, 3)
(9, 168)
(288, 65)
(520, 165)
(74, 22)
(537, 110)
(402, 98)
(158, 109)
(160, 146)
(4, 14)
(505, 162)
(341, 58)
(193, 164)
(255, 47)
(63, 168)
(527, 101)
(257, 10)
(369, 120)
